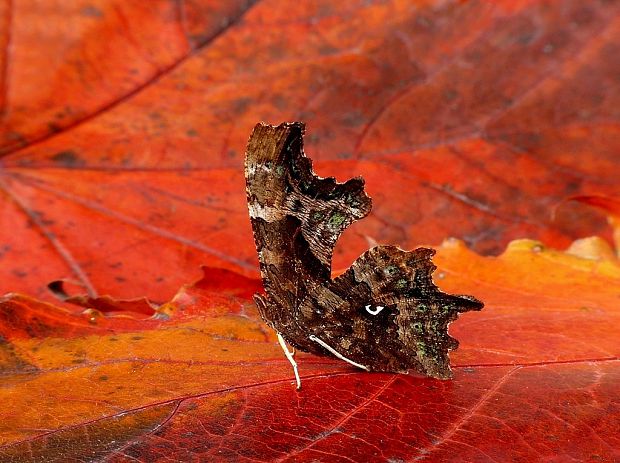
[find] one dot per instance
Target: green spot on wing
(317, 215)
(401, 284)
(336, 220)
(390, 270)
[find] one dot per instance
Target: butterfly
(382, 314)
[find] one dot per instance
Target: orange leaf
(123, 127)
(611, 206)
(122, 131)
(536, 377)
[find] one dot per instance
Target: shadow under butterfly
(384, 313)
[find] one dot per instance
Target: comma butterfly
(384, 313)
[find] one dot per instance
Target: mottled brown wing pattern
(399, 317)
(384, 313)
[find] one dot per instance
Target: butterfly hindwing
(401, 317)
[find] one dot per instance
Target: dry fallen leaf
(536, 377)
(467, 119)
(122, 131)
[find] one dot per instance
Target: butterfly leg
(336, 353)
(289, 355)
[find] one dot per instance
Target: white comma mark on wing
(374, 311)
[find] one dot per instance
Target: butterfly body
(384, 313)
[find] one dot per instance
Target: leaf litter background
(122, 139)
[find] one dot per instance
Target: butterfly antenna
(289, 356)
